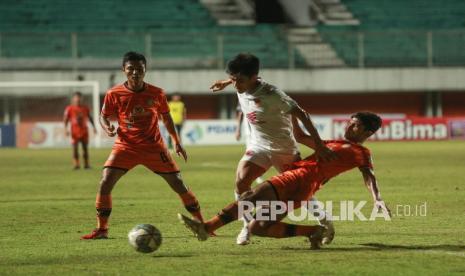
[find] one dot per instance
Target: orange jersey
(137, 115)
(349, 156)
(307, 176)
(78, 116)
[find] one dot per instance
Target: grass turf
(45, 207)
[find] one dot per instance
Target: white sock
(237, 196)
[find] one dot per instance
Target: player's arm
(372, 185)
(320, 148)
(184, 114)
(168, 122)
(66, 121)
(220, 85)
(107, 126)
(91, 120)
(300, 136)
(239, 120)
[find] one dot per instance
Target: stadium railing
(211, 49)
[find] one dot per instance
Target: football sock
(103, 204)
(76, 162)
(191, 204)
(244, 219)
(224, 217)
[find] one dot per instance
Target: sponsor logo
(195, 134)
(37, 135)
(403, 129)
(252, 118)
(221, 129)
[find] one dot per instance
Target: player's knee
(247, 196)
(242, 185)
(107, 182)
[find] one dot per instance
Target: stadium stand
(164, 29)
(393, 37)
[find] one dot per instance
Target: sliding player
(301, 183)
(271, 143)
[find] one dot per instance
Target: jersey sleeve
(109, 105)
(164, 107)
(364, 159)
(284, 102)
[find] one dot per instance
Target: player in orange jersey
(137, 105)
(301, 182)
(78, 114)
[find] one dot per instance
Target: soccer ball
(145, 238)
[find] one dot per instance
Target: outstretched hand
(110, 130)
(219, 85)
(180, 151)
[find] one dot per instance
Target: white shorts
(265, 158)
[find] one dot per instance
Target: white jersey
(267, 112)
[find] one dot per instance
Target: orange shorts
(79, 137)
(296, 185)
(156, 159)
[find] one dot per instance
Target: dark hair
(370, 121)
(77, 93)
(134, 56)
(243, 64)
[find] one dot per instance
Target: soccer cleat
(195, 226)
(76, 168)
(329, 233)
(317, 237)
(96, 235)
(244, 237)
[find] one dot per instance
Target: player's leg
(103, 201)
(188, 198)
(85, 154)
(230, 213)
(179, 129)
(75, 145)
(283, 162)
(277, 229)
(249, 168)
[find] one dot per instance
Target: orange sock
(285, 230)
(191, 204)
(76, 162)
(227, 215)
(103, 204)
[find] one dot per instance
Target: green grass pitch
(45, 207)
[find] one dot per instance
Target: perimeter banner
(222, 132)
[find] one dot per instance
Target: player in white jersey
(269, 113)
(243, 126)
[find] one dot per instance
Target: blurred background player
(268, 111)
(301, 182)
(179, 114)
(137, 105)
(78, 114)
